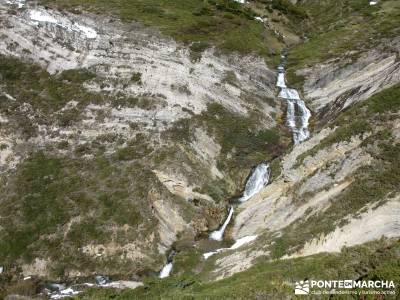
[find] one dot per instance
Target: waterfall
(298, 124)
(258, 179)
(166, 270)
(302, 132)
(281, 80)
(218, 234)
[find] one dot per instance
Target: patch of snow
(41, 16)
(122, 284)
(373, 3)
(239, 243)
(90, 32)
(65, 293)
(20, 3)
(242, 241)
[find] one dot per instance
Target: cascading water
(298, 124)
(166, 270)
(218, 234)
(257, 180)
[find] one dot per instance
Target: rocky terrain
(127, 150)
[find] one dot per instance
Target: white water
(239, 243)
(291, 94)
(258, 179)
(298, 124)
(281, 80)
(166, 270)
(218, 234)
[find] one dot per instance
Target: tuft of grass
(137, 78)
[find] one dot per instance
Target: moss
(144, 101)
(132, 152)
(40, 89)
(386, 101)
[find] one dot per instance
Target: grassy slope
(223, 23)
(275, 279)
(58, 183)
(230, 30)
(47, 191)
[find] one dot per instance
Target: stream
(297, 119)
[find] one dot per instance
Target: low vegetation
(242, 143)
(337, 29)
(60, 204)
(269, 279)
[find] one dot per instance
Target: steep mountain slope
(115, 140)
(122, 145)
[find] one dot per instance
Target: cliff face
(337, 189)
(331, 88)
(115, 140)
(121, 148)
